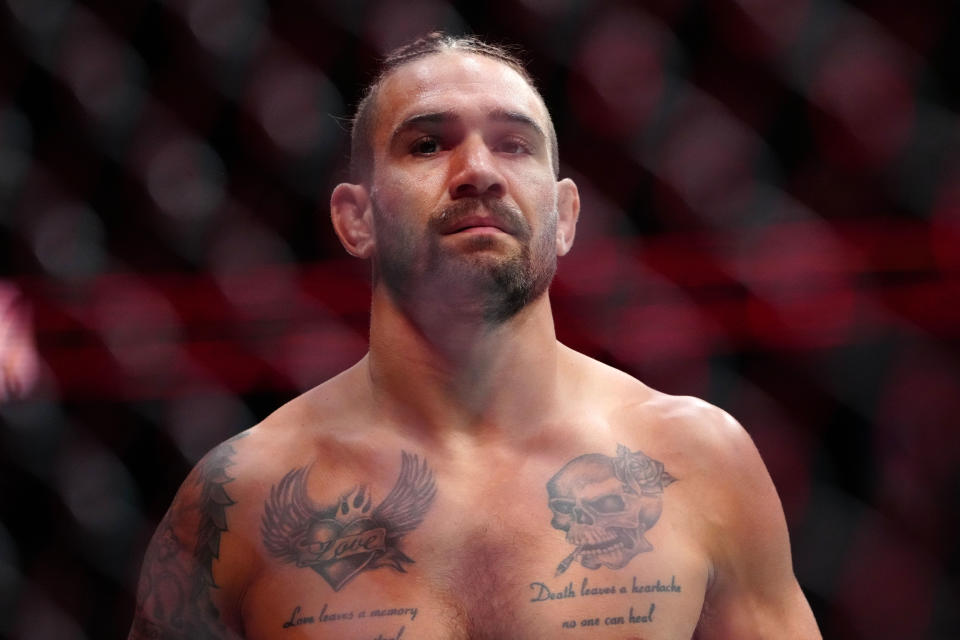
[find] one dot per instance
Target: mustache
(505, 216)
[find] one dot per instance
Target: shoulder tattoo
(174, 596)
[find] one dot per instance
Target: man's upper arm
(177, 596)
(753, 592)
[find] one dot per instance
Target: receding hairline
(365, 118)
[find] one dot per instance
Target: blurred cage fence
(771, 221)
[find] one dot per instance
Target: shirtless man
(471, 477)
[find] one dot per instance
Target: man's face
(463, 192)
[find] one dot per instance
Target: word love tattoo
(605, 505)
(340, 541)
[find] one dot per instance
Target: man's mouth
(475, 216)
(476, 224)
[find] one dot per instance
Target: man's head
(361, 144)
(458, 198)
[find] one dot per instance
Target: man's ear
(568, 211)
(352, 218)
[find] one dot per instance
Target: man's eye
(425, 147)
(512, 147)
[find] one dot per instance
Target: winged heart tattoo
(342, 540)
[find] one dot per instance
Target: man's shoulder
(337, 398)
(589, 378)
(689, 427)
(328, 409)
(680, 421)
(210, 535)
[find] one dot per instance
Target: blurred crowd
(771, 221)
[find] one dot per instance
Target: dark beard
(519, 283)
(499, 288)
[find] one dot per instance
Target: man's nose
(474, 172)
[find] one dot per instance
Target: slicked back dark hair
(361, 135)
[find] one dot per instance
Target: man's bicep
(779, 614)
(166, 582)
(754, 593)
(177, 596)
(174, 598)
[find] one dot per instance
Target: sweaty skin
(471, 477)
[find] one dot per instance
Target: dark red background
(771, 221)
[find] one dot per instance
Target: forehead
(453, 81)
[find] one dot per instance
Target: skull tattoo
(605, 505)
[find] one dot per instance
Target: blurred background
(771, 221)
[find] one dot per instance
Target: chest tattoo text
(341, 540)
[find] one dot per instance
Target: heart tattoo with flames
(342, 540)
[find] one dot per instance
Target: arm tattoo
(604, 505)
(174, 599)
(343, 539)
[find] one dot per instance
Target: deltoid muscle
(341, 540)
(175, 593)
(605, 505)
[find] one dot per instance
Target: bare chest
(602, 544)
(519, 597)
(490, 569)
(541, 586)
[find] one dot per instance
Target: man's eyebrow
(446, 117)
(433, 117)
(517, 117)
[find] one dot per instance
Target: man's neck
(453, 372)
